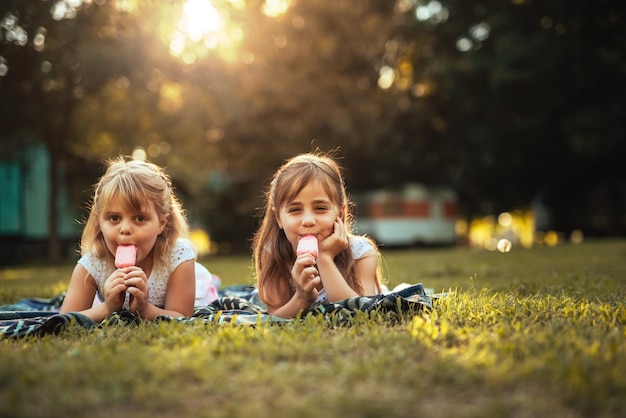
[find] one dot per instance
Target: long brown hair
(273, 254)
(136, 182)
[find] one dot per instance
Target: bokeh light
(432, 12)
(4, 68)
(274, 8)
(139, 154)
(505, 219)
(202, 242)
(577, 236)
(506, 231)
(504, 245)
(387, 75)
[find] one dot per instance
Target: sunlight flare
(199, 18)
(200, 22)
(275, 8)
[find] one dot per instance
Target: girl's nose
(308, 218)
(125, 228)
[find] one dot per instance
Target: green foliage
(542, 84)
(529, 333)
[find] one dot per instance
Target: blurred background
(496, 124)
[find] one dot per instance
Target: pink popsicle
(125, 256)
(307, 244)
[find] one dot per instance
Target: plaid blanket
(236, 305)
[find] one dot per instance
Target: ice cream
(307, 244)
(125, 256)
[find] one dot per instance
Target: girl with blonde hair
(134, 204)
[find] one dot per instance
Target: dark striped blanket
(236, 305)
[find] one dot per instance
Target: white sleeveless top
(159, 277)
(359, 246)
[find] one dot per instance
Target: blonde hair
(274, 271)
(137, 183)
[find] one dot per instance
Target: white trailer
(415, 215)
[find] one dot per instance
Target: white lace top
(359, 246)
(157, 281)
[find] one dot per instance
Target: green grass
(530, 333)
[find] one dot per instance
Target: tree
(39, 91)
(505, 101)
(528, 96)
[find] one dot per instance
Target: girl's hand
(335, 242)
(306, 278)
(115, 291)
(136, 282)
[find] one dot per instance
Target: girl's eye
(293, 210)
(141, 218)
(114, 218)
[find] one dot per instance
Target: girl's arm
(305, 278)
(335, 284)
(366, 273)
(292, 308)
(82, 290)
(180, 296)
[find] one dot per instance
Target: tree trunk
(54, 246)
